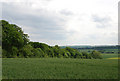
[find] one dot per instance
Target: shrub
(95, 54)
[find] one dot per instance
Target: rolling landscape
(47, 40)
(41, 61)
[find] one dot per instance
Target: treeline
(16, 44)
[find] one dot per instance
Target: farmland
(59, 68)
(103, 49)
(25, 59)
(107, 56)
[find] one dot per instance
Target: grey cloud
(47, 26)
(42, 21)
(49, 35)
(102, 22)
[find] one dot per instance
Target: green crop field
(59, 68)
(106, 56)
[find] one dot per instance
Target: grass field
(59, 68)
(114, 58)
(107, 56)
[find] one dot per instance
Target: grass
(106, 56)
(114, 58)
(59, 68)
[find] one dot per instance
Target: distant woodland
(16, 44)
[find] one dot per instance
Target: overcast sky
(65, 22)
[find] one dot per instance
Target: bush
(96, 55)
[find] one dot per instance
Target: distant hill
(92, 47)
(103, 48)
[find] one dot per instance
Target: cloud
(102, 22)
(64, 22)
(45, 25)
(66, 12)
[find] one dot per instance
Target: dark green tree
(13, 38)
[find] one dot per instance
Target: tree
(95, 54)
(57, 46)
(78, 55)
(86, 55)
(12, 37)
(26, 51)
(14, 52)
(40, 53)
(71, 51)
(4, 53)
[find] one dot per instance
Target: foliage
(95, 54)
(26, 51)
(13, 38)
